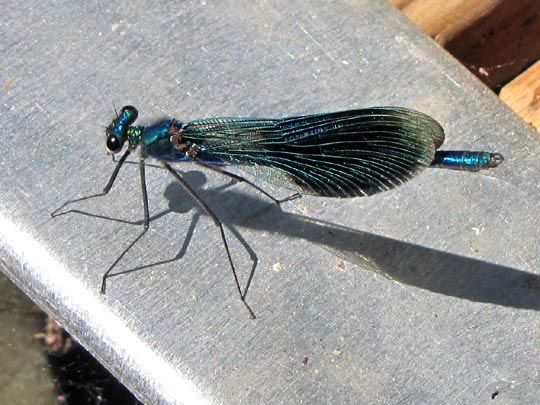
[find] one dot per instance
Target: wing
(343, 154)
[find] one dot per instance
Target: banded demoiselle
(342, 154)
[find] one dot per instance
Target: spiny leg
(146, 224)
(105, 190)
(218, 223)
(240, 179)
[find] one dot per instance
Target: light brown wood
(523, 95)
(400, 3)
(502, 44)
(495, 39)
(444, 20)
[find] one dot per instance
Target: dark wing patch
(343, 154)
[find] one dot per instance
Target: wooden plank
(501, 44)
(523, 95)
(495, 39)
(444, 21)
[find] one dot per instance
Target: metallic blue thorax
(155, 141)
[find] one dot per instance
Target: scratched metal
(448, 315)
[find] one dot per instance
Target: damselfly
(343, 154)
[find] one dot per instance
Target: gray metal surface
(458, 321)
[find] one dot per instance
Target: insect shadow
(180, 202)
(430, 269)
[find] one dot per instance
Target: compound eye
(128, 115)
(114, 145)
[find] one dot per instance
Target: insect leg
(105, 190)
(218, 223)
(146, 224)
(240, 179)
